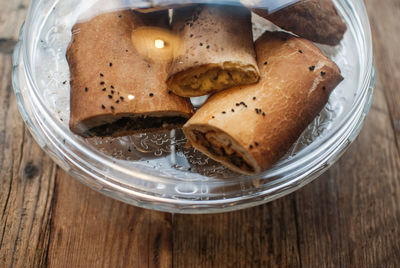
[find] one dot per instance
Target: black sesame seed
(324, 88)
(256, 143)
(86, 89)
(64, 82)
(212, 117)
(191, 35)
(103, 107)
(237, 104)
(263, 114)
(112, 86)
(251, 146)
(126, 50)
(300, 51)
(104, 89)
(201, 44)
(117, 101)
(266, 62)
(323, 73)
(102, 83)
(208, 46)
(151, 94)
(312, 68)
(109, 96)
(233, 110)
(101, 75)
(110, 64)
(112, 91)
(169, 92)
(129, 150)
(223, 112)
(119, 16)
(112, 107)
(254, 98)
(122, 98)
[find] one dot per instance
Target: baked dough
(217, 50)
(115, 90)
(316, 20)
(249, 128)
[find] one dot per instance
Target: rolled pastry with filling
(249, 128)
(118, 86)
(316, 20)
(217, 50)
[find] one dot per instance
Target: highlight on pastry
(217, 50)
(249, 128)
(116, 89)
(315, 20)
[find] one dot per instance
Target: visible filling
(222, 151)
(126, 124)
(215, 79)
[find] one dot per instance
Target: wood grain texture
(26, 186)
(91, 230)
(12, 14)
(264, 236)
(384, 19)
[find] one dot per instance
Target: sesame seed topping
(109, 96)
(151, 94)
(104, 89)
(103, 107)
(251, 146)
(112, 86)
(233, 110)
(191, 35)
(101, 75)
(300, 51)
(323, 73)
(256, 143)
(208, 46)
(201, 44)
(122, 98)
(86, 89)
(169, 92)
(102, 83)
(212, 117)
(117, 101)
(112, 107)
(112, 91)
(312, 68)
(324, 88)
(254, 98)
(263, 114)
(265, 62)
(110, 64)
(223, 112)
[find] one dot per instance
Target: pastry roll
(249, 128)
(217, 50)
(116, 89)
(316, 20)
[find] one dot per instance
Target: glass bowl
(156, 170)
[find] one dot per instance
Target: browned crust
(295, 83)
(316, 20)
(101, 55)
(212, 36)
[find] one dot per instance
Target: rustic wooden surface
(349, 217)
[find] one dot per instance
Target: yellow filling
(214, 79)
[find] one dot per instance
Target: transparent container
(156, 170)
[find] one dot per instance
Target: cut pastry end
(221, 147)
(211, 78)
(115, 126)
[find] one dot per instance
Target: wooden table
(349, 217)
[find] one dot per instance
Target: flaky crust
(262, 121)
(110, 79)
(213, 38)
(316, 20)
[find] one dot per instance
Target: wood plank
(385, 26)
(12, 14)
(350, 216)
(91, 230)
(27, 182)
(264, 236)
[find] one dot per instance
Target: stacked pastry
(264, 93)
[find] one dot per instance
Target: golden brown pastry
(115, 90)
(249, 128)
(316, 20)
(217, 50)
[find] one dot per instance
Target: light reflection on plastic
(131, 97)
(158, 43)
